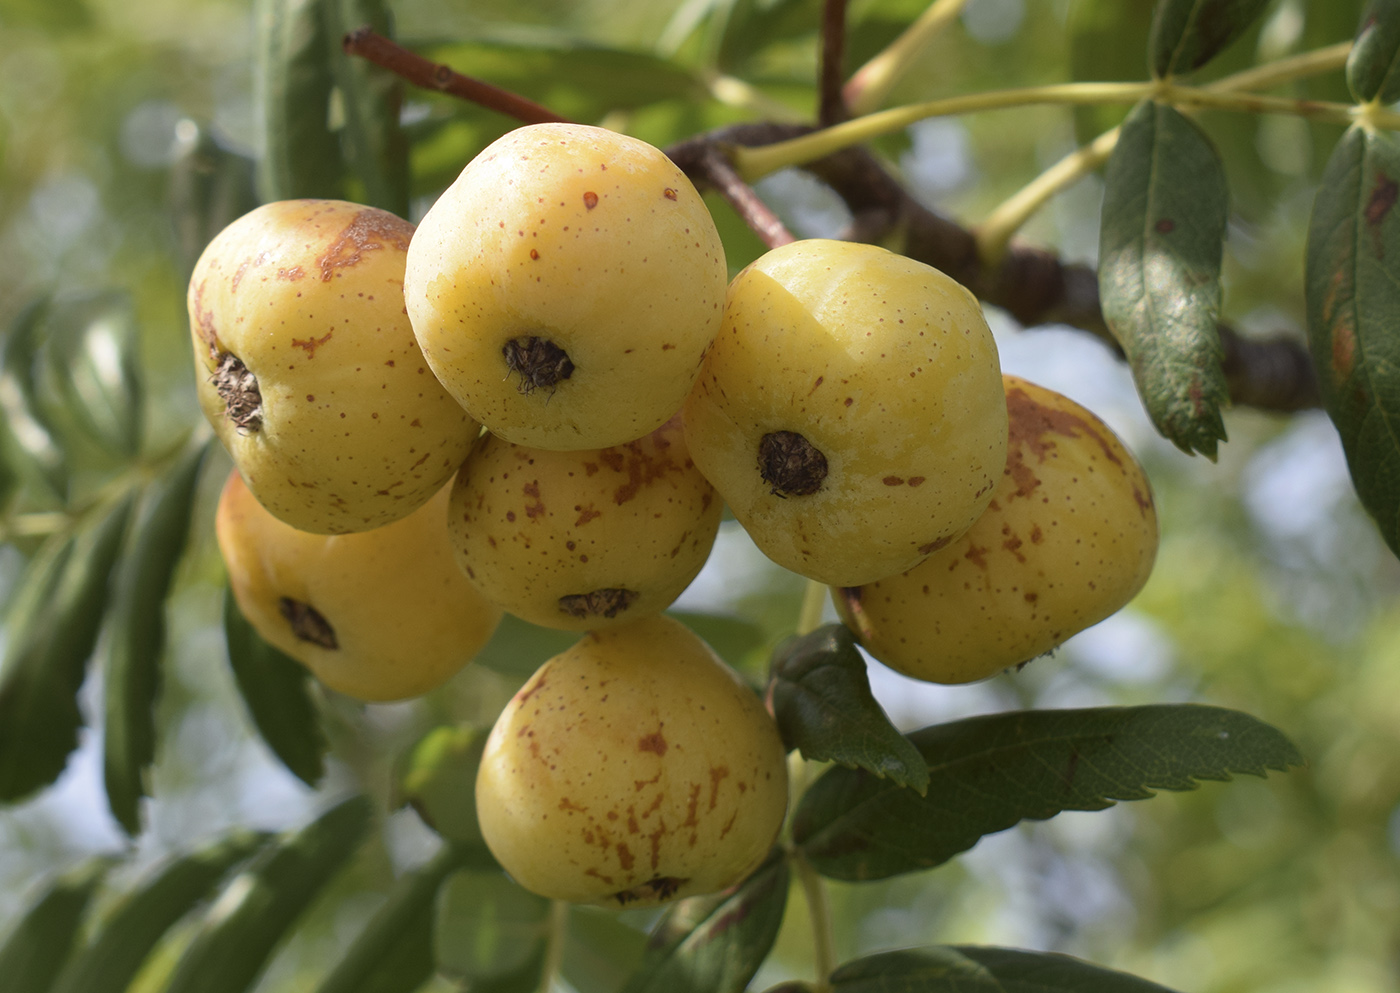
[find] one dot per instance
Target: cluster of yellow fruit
(559, 334)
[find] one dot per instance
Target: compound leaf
(276, 689)
(259, 906)
(989, 772)
(110, 961)
(821, 698)
(715, 944)
(38, 947)
(137, 637)
(52, 634)
(1353, 310)
(1160, 244)
(1373, 65)
(1186, 34)
(975, 969)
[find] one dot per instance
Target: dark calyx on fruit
(307, 622)
(661, 888)
(790, 464)
(238, 388)
(539, 361)
(608, 602)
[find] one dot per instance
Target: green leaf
(276, 690)
(137, 636)
(37, 948)
(601, 951)
(1106, 42)
(439, 780)
(1186, 34)
(210, 187)
(989, 772)
(518, 647)
(733, 638)
(394, 952)
(374, 145)
(29, 437)
(292, 84)
(975, 969)
(262, 903)
(715, 944)
(1353, 307)
(89, 372)
(1160, 244)
(488, 927)
(821, 698)
(1373, 65)
(50, 640)
(132, 928)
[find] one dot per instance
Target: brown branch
(1032, 284)
(831, 106)
(711, 168)
(421, 72)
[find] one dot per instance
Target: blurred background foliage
(128, 134)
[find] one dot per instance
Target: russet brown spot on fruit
(367, 231)
(607, 602)
(1030, 423)
(539, 361)
(790, 464)
(307, 622)
(238, 389)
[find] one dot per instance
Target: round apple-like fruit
(309, 370)
(1069, 537)
(566, 286)
(377, 615)
(633, 769)
(850, 411)
(583, 540)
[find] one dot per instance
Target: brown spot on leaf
(1378, 205)
(1165, 226)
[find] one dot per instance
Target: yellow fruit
(850, 411)
(309, 371)
(566, 286)
(634, 768)
(378, 615)
(1069, 538)
(583, 540)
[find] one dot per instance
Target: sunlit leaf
(821, 698)
(43, 939)
(987, 773)
(137, 638)
(488, 927)
(51, 637)
(39, 453)
(132, 928)
(715, 944)
(1373, 65)
(1186, 34)
(1160, 244)
(974, 969)
(439, 780)
(256, 910)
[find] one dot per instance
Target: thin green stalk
(554, 943)
(868, 87)
(819, 913)
(809, 618)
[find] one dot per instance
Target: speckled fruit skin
(633, 769)
(1069, 538)
(884, 364)
(587, 238)
(565, 539)
(355, 431)
(405, 619)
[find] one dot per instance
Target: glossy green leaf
(293, 80)
(29, 438)
(261, 904)
(1353, 310)
(601, 951)
(989, 772)
(133, 927)
(439, 780)
(277, 692)
(41, 943)
(1186, 34)
(89, 373)
(394, 951)
(374, 145)
(1160, 244)
(715, 944)
(137, 637)
(977, 969)
(51, 638)
(488, 927)
(821, 698)
(1373, 65)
